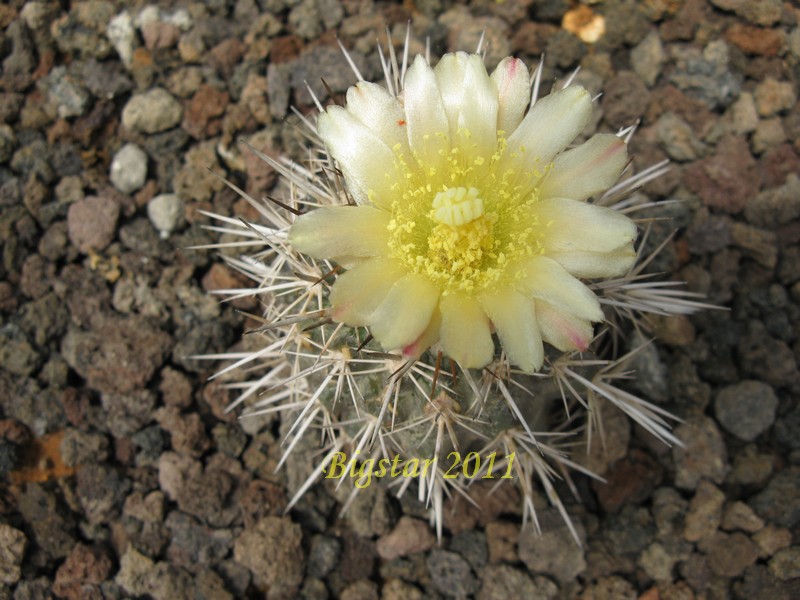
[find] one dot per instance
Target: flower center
(457, 206)
(461, 239)
(462, 224)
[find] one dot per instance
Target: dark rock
(729, 555)
(323, 555)
(19, 64)
(502, 582)
(625, 99)
(81, 447)
(553, 551)
(766, 358)
(746, 409)
(471, 545)
(52, 524)
(194, 546)
(630, 481)
(779, 503)
(101, 491)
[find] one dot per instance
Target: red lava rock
(532, 38)
(755, 40)
(693, 111)
(175, 388)
(261, 499)
(220, 277)
(84, 566)
(776, 164)
(92, 222)
(226, 55)
(273, 552)
(206, 104)
(631, 480)
(285, 49)
(158, 35)
(409, 536)
(726, 180)
(119, 355)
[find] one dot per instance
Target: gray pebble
(451, 574)
(554, 551)
(746, 409)
(12, 547)
(165, 212)
(129, 169)
(70, 98)
(153, 111)
(647, 58)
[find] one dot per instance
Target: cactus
(397, 378)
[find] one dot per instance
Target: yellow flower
(468, 216)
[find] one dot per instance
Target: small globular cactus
(441, 278)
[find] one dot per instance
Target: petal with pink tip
(406, 311)
(465, 334)
(514, 318)
(550, 126)
(592, 167)
(341, 231)
(561, 329)
(513, 87)
(427, 339)
(357, 293)
(545, 279)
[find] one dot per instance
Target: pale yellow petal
(550, 126)
(357, 293)
(590, 265)
(545, 279)
(376, 108)
(406, 311)
(592, 167)
(426, 120)
(561, 329)
(450, 72)
(367, 163)
(513, 87)
(477, 129)
(588, 240)
(514, 319)
(341, 231)
(466, 336)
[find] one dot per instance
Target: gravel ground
(122, 475)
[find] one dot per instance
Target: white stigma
(457, 206)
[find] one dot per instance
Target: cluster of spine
(334, 383)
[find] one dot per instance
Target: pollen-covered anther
(457, 206)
